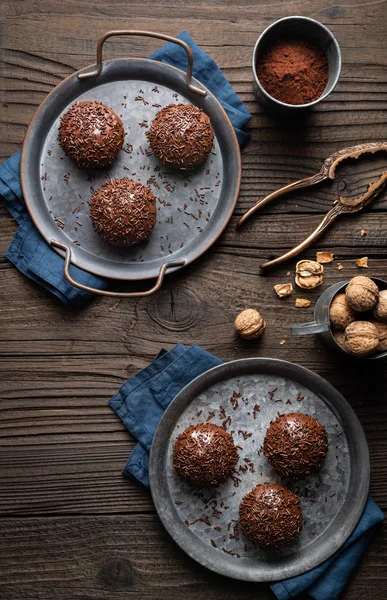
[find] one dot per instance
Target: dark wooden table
(72, 526)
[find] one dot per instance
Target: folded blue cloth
(31, 254)
(140, 404)
(207, 72)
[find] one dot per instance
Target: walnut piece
(249, 324)
(340, 313)
(361, 338)
(380, 310)
(339, 337)
(339, 266)
(363, 232)
(324, 257)
(309, 274)
(283, 289)
(302, 303)
(382, 332)
(282, 342)
(362, 293)
(362, 262)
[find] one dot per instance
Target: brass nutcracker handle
(152, 34)
(343, 205)
(86, 288)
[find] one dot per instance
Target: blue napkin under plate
(31, 254)
(140, 404)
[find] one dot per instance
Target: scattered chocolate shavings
(214, 544)
(256, 410)
(272, 392)
(245, 434)
(141, 99)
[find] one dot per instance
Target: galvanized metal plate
(193, 207)
(203, 523)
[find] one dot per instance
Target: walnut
(302, 303)
(362, 262)
(363, 232)
(339, 337)
(380, 310)
(340, 313)
(362, 293)
(361, 338)
(309, 274)
(382, 332)
(249, 324)
(283, 289)
(324, 257)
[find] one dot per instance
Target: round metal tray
(193, 208)
(332, 500)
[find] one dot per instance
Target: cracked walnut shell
(309, 274)
(249, 324)
(380, 310)
(362, 293)
(382, 332)
(361, 338)
(339, 337)
(283, 289)
(340, 313)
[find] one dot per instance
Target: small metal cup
(321, 324)
(303, 28)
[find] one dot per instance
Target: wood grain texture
(71, 527)
(127, 557)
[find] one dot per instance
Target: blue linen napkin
(140, 404)
(207, 72)
(31, 254)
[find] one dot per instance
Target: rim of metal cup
(381, 353)
(258, 43)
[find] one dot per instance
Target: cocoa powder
(293, 71)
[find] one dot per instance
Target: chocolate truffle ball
(91, 134)
(181, 136)
(296, 445)
(204, 455)
(123, 211)
(271, 515)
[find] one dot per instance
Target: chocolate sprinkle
(204, 455)
(123, 211)
(296, 445)
(91, 134)
(271, 515)
(181, 136)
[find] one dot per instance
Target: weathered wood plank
(61, 447)
(129, 557)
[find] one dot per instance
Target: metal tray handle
(161, 36)
(86, 288)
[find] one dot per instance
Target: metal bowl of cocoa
(296, 64)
